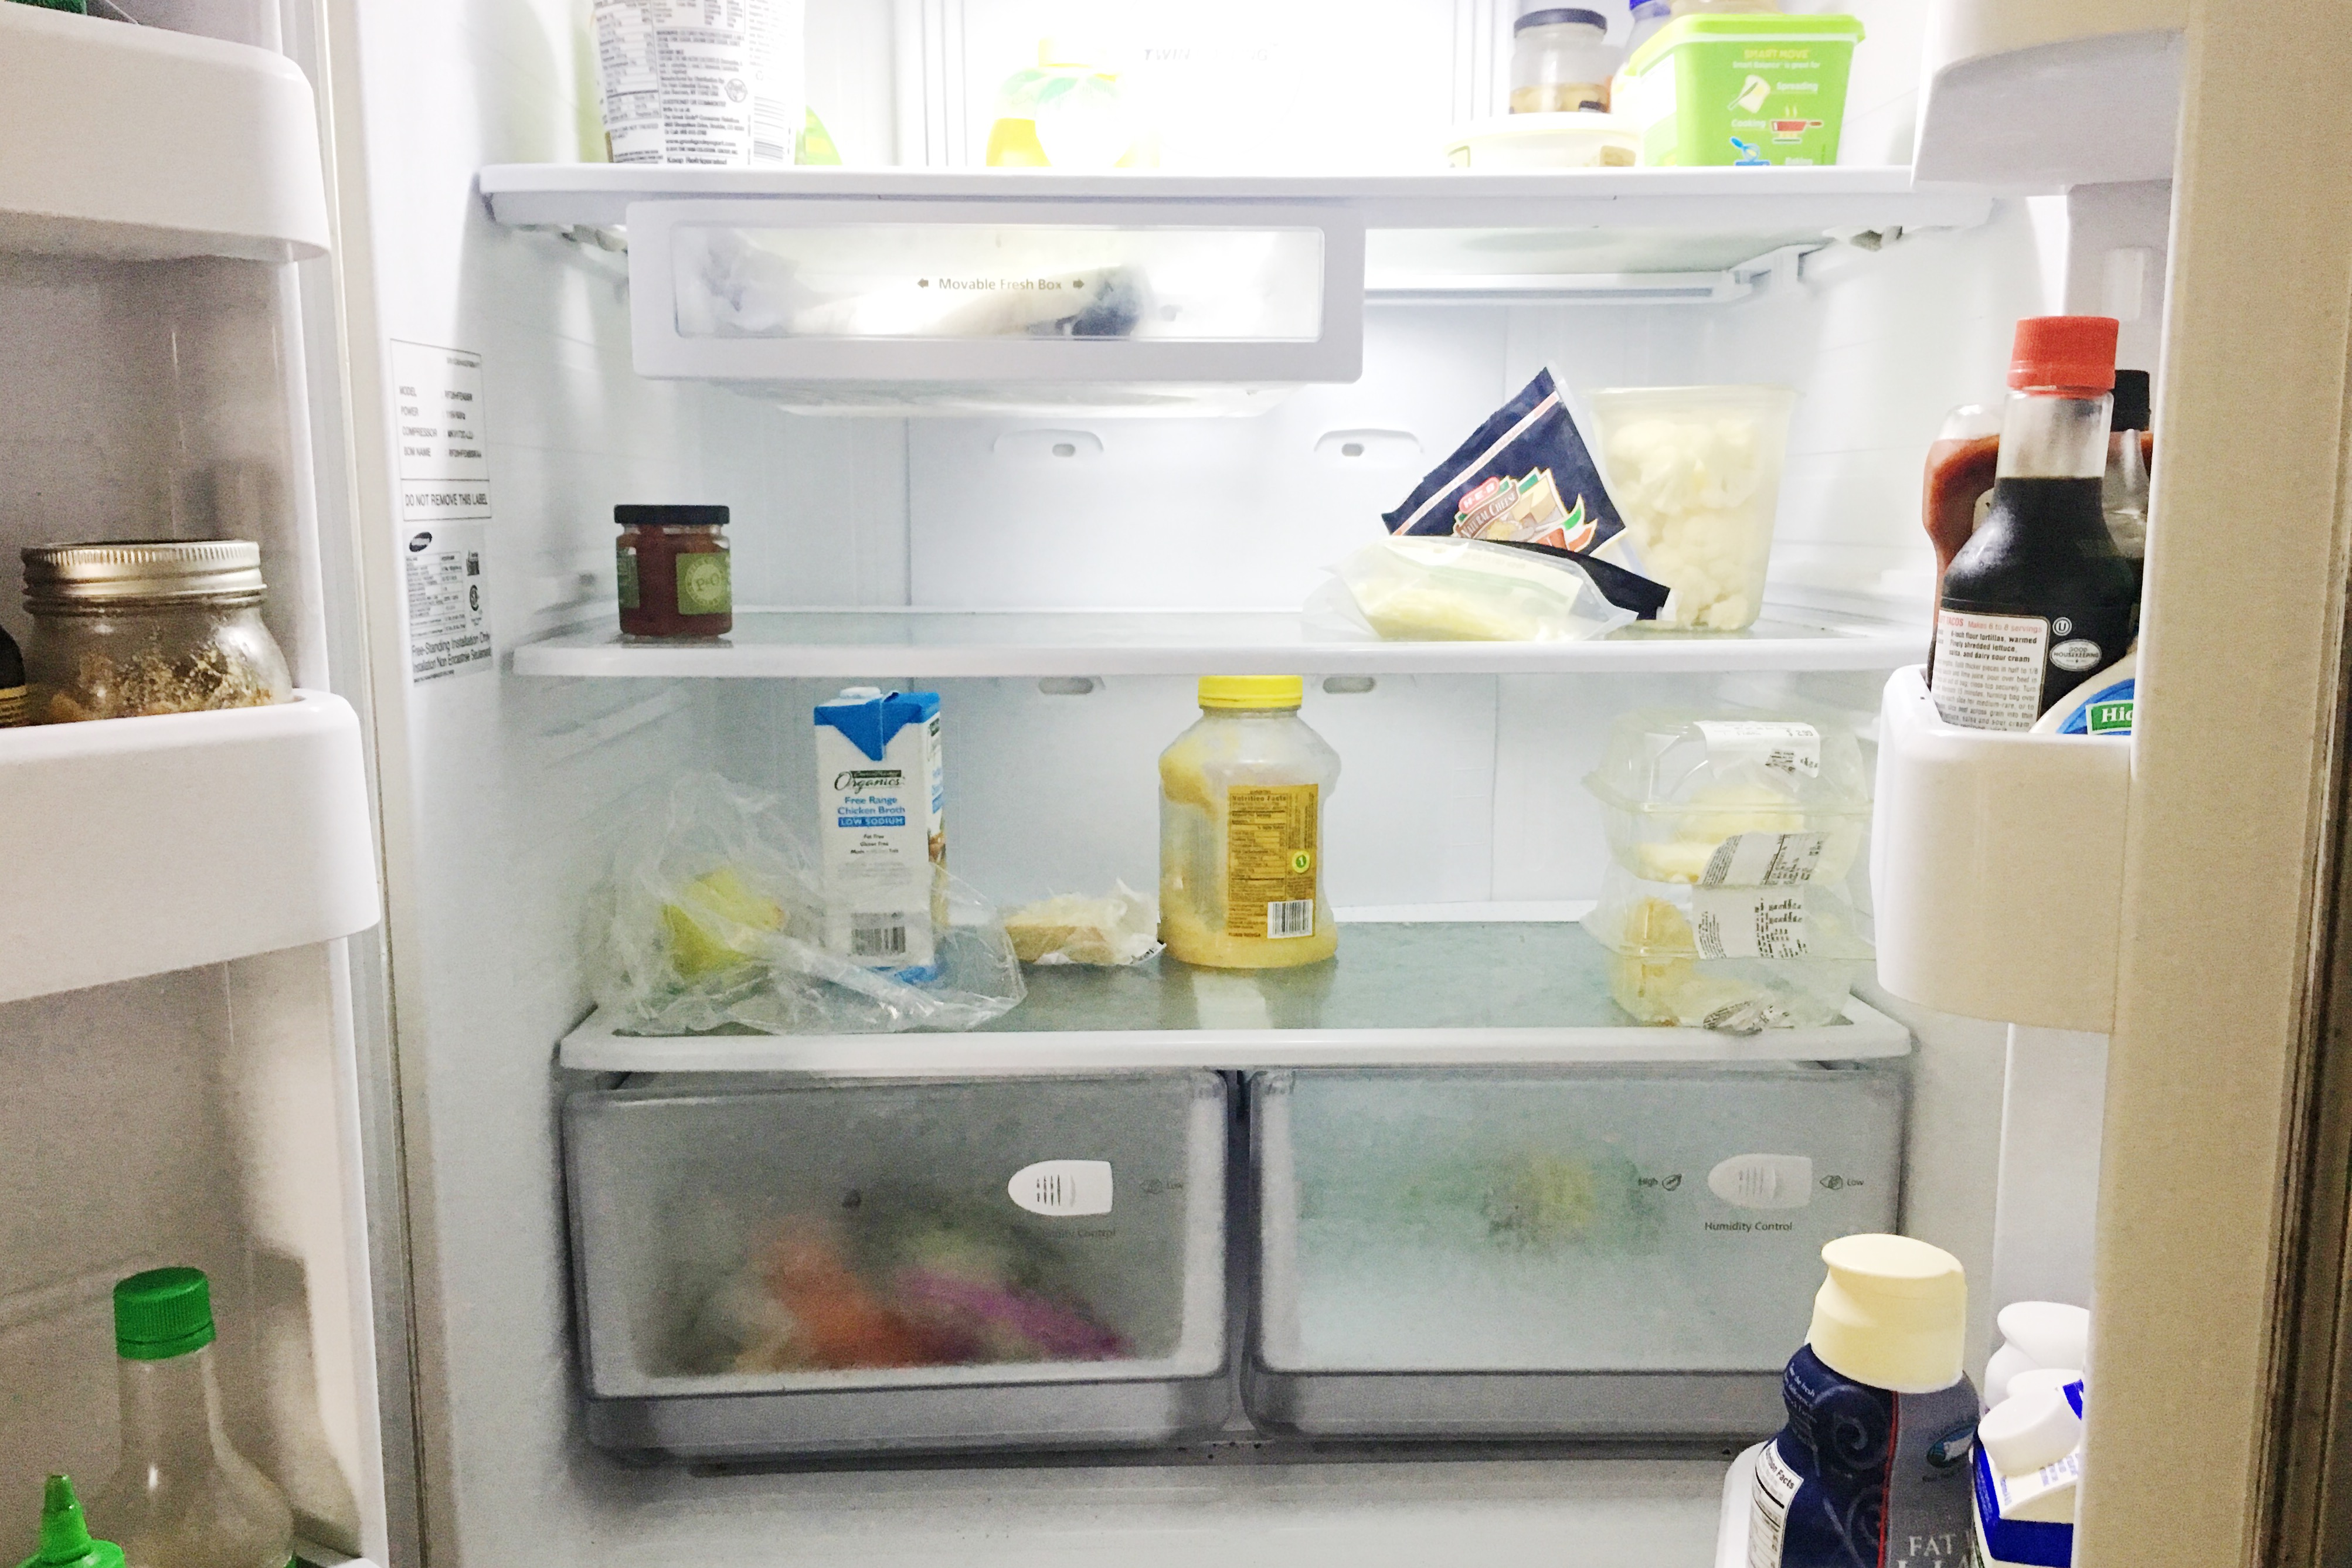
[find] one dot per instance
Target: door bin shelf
(1596, 1252)
(904, 1266)
(1997, 866)
(149, 844)
(963, 307)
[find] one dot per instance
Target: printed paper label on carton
(1764, 860)
(1748, 922)
(1794, 749)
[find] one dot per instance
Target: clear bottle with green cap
(64, 1536)
(182, 1495)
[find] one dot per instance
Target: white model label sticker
(1062, 1189)
(1768, 1518)
(1988, 669)
(1764, 860)
(1748, 922)
(444, 509)
(1794, 749)
(448, 621)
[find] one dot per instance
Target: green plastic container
(1748, 90)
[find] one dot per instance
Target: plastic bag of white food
(1439, 589)
(1695, 474)
(713, 921)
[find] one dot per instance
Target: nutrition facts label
(1988, 669)
(1270, 839)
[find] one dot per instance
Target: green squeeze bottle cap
(162, 1313)
(64, 1536)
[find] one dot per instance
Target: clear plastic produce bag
(1442, 589)
(714, 921)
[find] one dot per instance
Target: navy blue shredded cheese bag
(1526, 478)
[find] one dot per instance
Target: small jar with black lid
(672, 563)
(131, 628)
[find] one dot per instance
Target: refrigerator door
(2233, 803)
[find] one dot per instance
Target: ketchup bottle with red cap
(2039, 599)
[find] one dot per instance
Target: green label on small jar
(703, 588)
(625, 562)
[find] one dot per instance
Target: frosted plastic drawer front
(948, 305)
(1594, 1253)
(915, 1265)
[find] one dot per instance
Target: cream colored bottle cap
(1894, 1313)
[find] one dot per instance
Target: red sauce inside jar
(673, 571)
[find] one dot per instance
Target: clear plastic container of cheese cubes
(1736, 800)
(1741, 959)
(1696, 471)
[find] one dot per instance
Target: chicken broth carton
(882, 826)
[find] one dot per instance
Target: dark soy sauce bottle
(2039, 599)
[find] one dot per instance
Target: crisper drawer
(916, 305)
(860, 1266)
(1606, 1251)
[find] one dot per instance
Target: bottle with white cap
(1871, 1470)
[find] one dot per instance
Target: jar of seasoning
(672, 563)
(134, 627)
(1561, 62)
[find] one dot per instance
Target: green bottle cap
(65, 1537)
(162, 1313)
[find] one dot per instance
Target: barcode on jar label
(879, 936)
(1291, 917)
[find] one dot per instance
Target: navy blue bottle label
(1863, 1477)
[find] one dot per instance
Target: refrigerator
(1433, 1253)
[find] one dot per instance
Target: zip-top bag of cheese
(882, 828)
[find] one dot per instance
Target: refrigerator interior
(187, 397)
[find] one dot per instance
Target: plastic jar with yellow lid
(1241, 830)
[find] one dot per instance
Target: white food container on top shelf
(1734, 959)
(1583, 139)
(1696, 472)
(1776, 801)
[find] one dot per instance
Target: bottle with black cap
(2123, 492)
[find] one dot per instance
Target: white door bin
(1997, 866)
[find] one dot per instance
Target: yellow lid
(1252, 691)
(1894, 1313)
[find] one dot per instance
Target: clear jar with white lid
(1561, 62)
(132, 628)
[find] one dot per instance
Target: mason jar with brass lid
(126, 628)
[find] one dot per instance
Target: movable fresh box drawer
(907, 1265)
(922, 306)
(1595, 1252)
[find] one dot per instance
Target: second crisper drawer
(866, 1266)
(1597, 1252)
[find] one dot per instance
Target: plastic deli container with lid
(1753, 91)
(1696, 472)
(1692, 797)
(1734, 959)
(133, 627)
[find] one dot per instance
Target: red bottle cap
(2064, 351)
